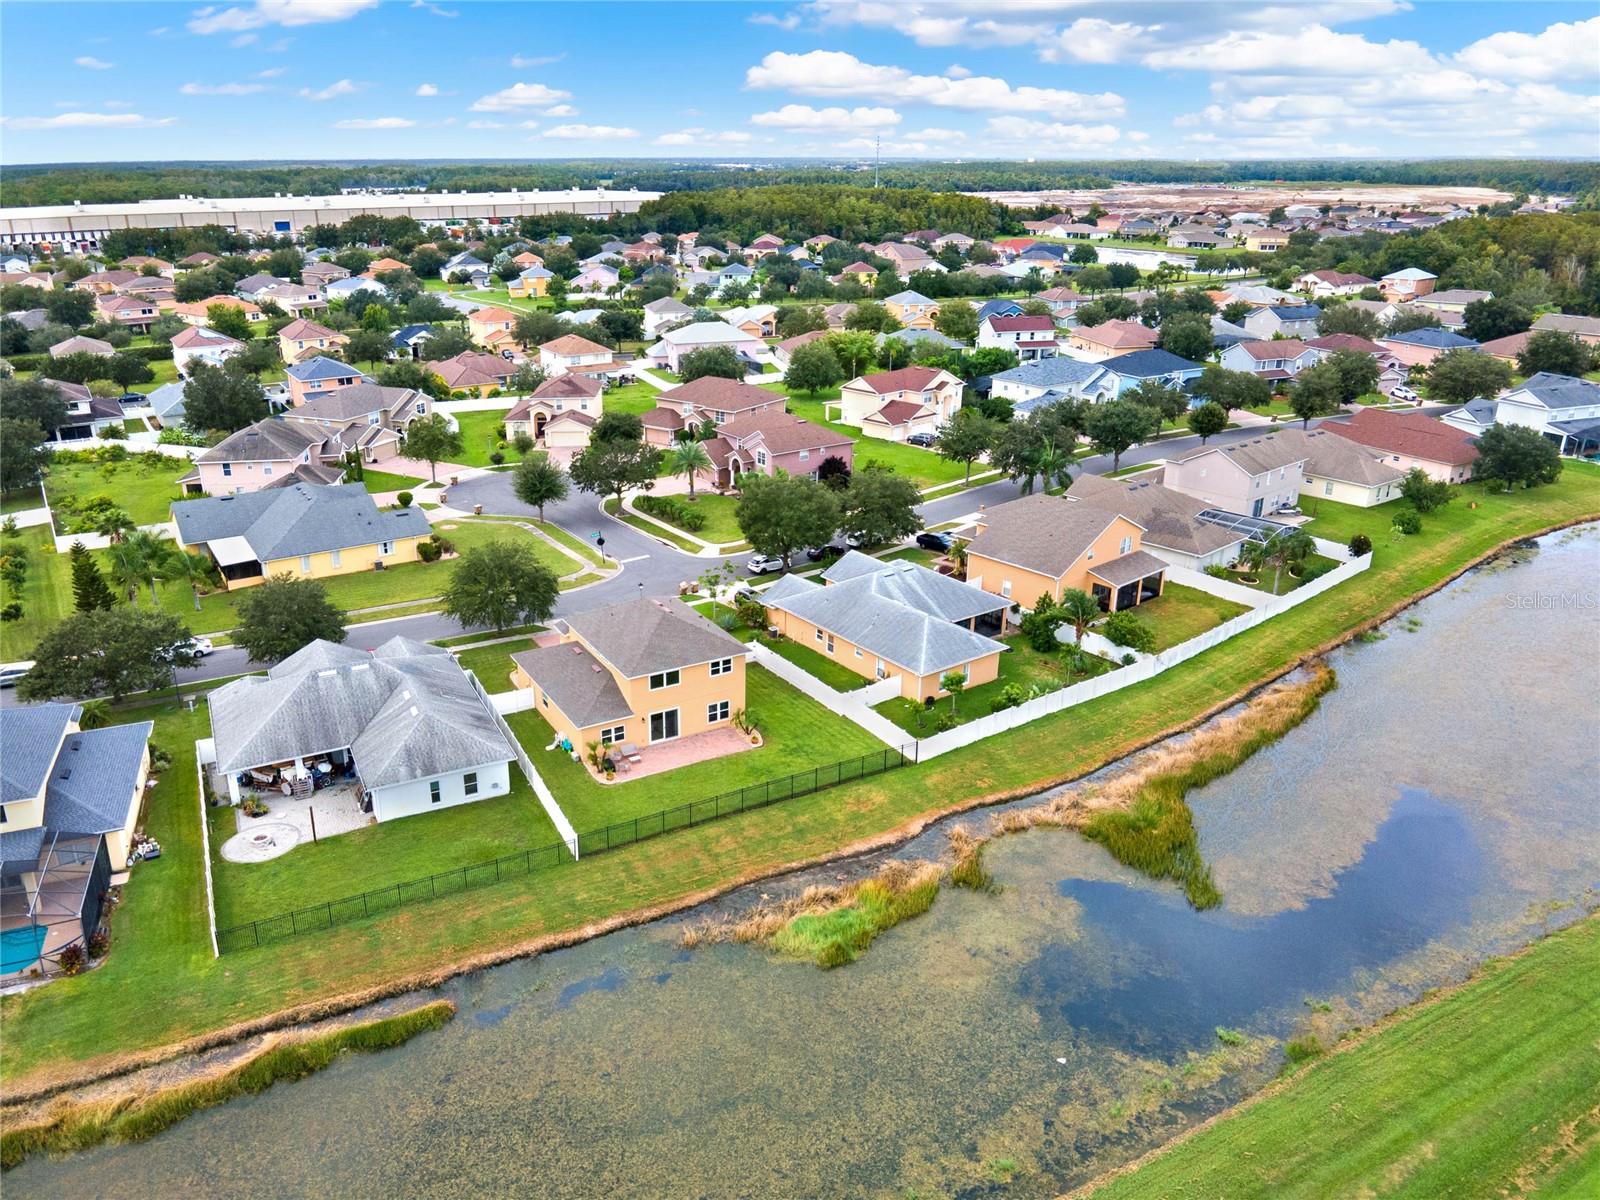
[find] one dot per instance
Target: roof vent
(414, 712)
(66, 773)
(77, 744)
(327, 674)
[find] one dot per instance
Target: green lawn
(1022, 665)
(1181, 613)
(166, 371)
(161, 983)
(1487, 1092)
(924, 466)
(492, 664)
(144, 491)
(651, 528)
(20, 500)
(1285, 581)
(638, 398)
(45, 595)
(831, 671)
(382, 481)
(480, 436)
(799, 732)
(720, 526)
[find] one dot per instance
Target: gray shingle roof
(271, 440)
(284, 522)
(1257, 456)
(1128, 569)
(1146, 364)
(1169, 517)
(28, 740)
(641, 637)
(1560, 391)
(92, 782)
(892, 613)
(576, 683)
(1057, 372)
(320, 367)
(348, 403)
(406, 711)
(1040, 533)
(1329, 456)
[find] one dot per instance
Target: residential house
(79, 344)
(1029, 338)
(664, 314)
(293, 298)
(166, 402)
(70, 803)
(636, 673)
(198, 343)
(253, 286)
(367, 420)
(912, 309)
(1063, 301)
(783, 352)
(1041, 545)
(559, 414)
(734, 274)
(473, 371)
(1563, 408)
(687, 407)
(1453, 301)
(199, 312)
(918, 339)
(269, 454)
(150, 287)
(595, 278)
(1109, 339)
(1256, 295)
(321, 274)
(907, 260)
(1128, 371)
(1412, 439)
(382, 266)
(133, 313)
(1407, 284)
(1283, 320)
(893, 619)
(491, 328)
(314, 377)
(769, 440)
(103, 283)
(415, 730)
(699, 335)
(1258, 477)
(1189, 237)
(1049, 379)
(572, 353)
(1419, 347)
(464, 264)
(1585, 329)
(837, 314)
(1266, 241)
(302, 530)
(865, 273)
(1328, 343)
(1275, 361)
(409, 341)
(1344, 471)
(1321, 284)
(531, 283)
(87, 415)
(960, 241)
(526, 259)
(757, 320)
(1177, 528)
(893, 405)
(1509, 348)
(301, 339)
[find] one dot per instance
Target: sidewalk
(850, 705)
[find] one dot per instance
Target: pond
(1438, 808)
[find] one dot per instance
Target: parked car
(745, 592)
(199, 647)
(935, 541)
(10, 673)
(831, 550)
(764, 564)
(1401, 392)
(925, 440)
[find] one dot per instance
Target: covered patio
(1128, 581)
(237, 561)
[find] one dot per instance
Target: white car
(764, 564)
(198, 646)
(11, 672)
(1401, 392)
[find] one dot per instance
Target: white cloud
(957, 71)
(521, 62)
(527, 125)
(597, 133)
(481, 124)
(87, 120)
(245, 39)
(1094, 40)
(374, 123)
(1314, 50)
(1052, 137)
(435, 9)
(803, 116)
(834, 73)
(118, 104)
(520, 95)
(704, 137)
(426, 89)
(271, 72)
(1564, 49)
(560, 110)
(239, 19)
(333, 91)
(788, 22)
(222, 89)
(90, 63)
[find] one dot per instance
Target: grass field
(144, 492)
(799, 734)
(924, 466)
(651, 528)
(492, 664)
(1181, 613)
(637, 398)
(830, 670)
(383, 481)
(1487, 1092)
(480, 436)
(45, 594)
(720, 526)
(161, 983)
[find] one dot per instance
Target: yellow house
(1042, 545)
(304, 339)
(912, 309)
(1266, 241)
(301, 530)
(892, 620)
(530, 284)
(637, 673)
(491, 327)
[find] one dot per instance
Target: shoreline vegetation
(131, 1116)
(174, 1002)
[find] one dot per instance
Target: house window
(433, 792)
(337, 558)
(716, 712)
(830, 643)
(1327, 488)
(1005, 589)
(722, 666)
(818, 635)
(804, 454)
(305, 564)
(761, 458)
(1125, 546)
(227, 468)
(385, 548)
(469, 783)
(664, 725)
(610, 737)
(663, 679)
(421, 408)
(267, 470)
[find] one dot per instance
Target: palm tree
(1080, 610)
(114, 524)
(688, 458)
(125, 565)
(194, 569)
(1054, 465)
(94, 714)
(155, 554)
(1286, 549)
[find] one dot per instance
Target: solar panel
(1255, 529)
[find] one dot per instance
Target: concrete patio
(680, 752)
(289, 821)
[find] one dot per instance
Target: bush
(73, 959)
(427, 551)
(1408, 522)
(1218, 571)
(523, 443)
(1360, 545)
(443, 544)
(1010, 696)
(1315, 570)
(1125, 629)
(11, 612)
(497, 458)
(403, 499)
(113, 432)
(99, 943)
(672, 510)
(752, 613)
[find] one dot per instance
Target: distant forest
(121, 182)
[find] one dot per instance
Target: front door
(664, 725)
(1255, 509)
(539, 420)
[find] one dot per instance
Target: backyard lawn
(799, 732)
(492, 664)
(1022, 665)
(144, 491)
(383, 481)
(832, 672)
(637, 398)
(480, 436)
(1181, 613)
(45, 594)
(1285, 581)
(926, 467)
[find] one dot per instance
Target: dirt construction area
(1251, 197)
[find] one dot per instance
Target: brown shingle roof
(1411, 434)
(906, 379)
(781, 432)
(721, 395)
(898, 412)
(639, 637)
(569, 344)
(1040, 533)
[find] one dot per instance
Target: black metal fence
(318, 917)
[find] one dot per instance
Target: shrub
(444, 544)
(99, 943)
(160, 760)
(672, 510)
(1230, 1037)
(752, 613)
(1314, 570)
(427, 551)
(1010, 696)
(112, 454)
(1360, 544)
(496, 457)
(72, 960)
(404, 499)
(1407, 522)
(11, 612)
(523, 443)
(1218, 571)
(1303, 1049)
(1125, 629)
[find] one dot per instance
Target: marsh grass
(133, 1118)
(839, 933)
(967, 869)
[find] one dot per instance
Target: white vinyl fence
(504, 702)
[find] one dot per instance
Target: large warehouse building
(81, 226)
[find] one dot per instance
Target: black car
(935, 541)
(832, 550)
(924, 440)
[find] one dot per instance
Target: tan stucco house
(893, 405)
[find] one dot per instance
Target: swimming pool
(19, 948)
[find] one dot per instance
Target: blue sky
(949, 79)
